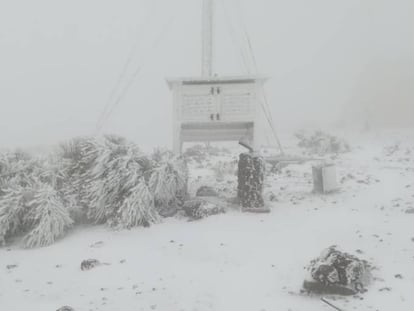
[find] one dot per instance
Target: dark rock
(65, 308)
(335, 272)
(169, 211)
(9, 267)
(327, 289)
(410, 211)
(206, 191)
(89, 264)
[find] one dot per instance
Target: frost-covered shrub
(225, 168)
(100, 180)
(200, 153)
(18, 169)
(137, 208)
(12, 208)
(47, 218)
(159, 155)
(19, 174)
(78, 158)
(24, 179)
(321, 143)
(126, 188)
(111, 182)
(168, 182)
(36, 212)
(111, 178)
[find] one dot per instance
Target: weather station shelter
(213, 108)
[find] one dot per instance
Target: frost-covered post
(251, 172)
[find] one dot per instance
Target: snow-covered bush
(225, 168)
(37, 212)
(200, 153)
(18, 169)
(112, 178)
(12, 210)
(160, 154)
(78, 157)
(321, 143)
(23, 180)
(137, 208)
(100, 180)
(118, 168)
(126, 188)
(47, 218)
(168, 182)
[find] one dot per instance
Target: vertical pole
(207, 38)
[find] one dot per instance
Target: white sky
(59, 61)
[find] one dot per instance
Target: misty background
(330, 63)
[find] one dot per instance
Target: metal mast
(207, 38)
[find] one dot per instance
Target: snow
(238, 261)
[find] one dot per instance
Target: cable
(265, 106)
(135, 74)
(270, 121)
(247, 37)
(233, 36)
(124, 70)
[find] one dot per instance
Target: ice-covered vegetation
(200, 153)
(86, 180)
(321, 143)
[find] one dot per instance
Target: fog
(330, 63)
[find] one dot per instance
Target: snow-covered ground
(237, 261)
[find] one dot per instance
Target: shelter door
(199, 104)
(236, 103)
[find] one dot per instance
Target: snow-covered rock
(198, 209)
(336, 272)
(206, 191)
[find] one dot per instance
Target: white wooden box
(324, 178)
(215, 109)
